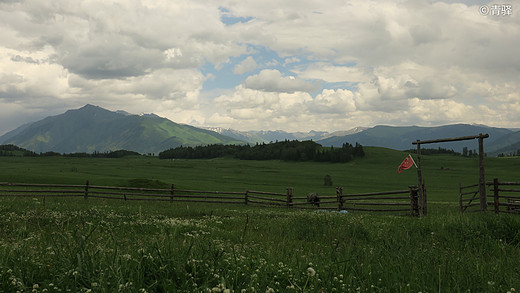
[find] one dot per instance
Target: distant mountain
(401, 138)
(506, 144)
(246, 136)
(501, 140)
(93, 128)
(280, 135)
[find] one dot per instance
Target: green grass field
(73, 245)
(375, 172)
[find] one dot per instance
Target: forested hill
(286, 150)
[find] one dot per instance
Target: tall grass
(96, 246)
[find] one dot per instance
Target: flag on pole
(406, 164)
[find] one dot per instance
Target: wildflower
(491, 283)
(36, 286)
(269, 290)
(311, 272)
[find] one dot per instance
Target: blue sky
(264, 65)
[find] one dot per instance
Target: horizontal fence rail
(389, 201)
(505, 197)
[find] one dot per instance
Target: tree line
(288, 150)
(10, 150)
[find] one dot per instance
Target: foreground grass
(75, 246)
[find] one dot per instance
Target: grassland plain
(73, 245)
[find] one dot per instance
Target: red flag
(406, 164)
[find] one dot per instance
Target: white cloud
(440, 111)
(271, 80)
(247, 65)
(247, 108)
(291, 60)
(334, 73)
(395, 59)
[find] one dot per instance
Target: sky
(264, 65)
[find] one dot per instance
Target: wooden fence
(505, 195)
(401, 201)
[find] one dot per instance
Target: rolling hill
(401, 138)
(92, 128)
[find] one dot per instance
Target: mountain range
(92, 128)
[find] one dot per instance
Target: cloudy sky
(294, 65)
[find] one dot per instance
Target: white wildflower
(311, 272)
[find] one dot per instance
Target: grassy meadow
(73, 245)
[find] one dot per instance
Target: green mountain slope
(93, 128)
(507, 144)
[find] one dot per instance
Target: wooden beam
(451, 139)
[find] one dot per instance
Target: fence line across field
(375, 201)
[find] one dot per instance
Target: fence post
(86, 190)
(424, 202)
(246, 196)
(289, 196)
(496, 199)
(414, 200)
(172, 191)
(339, 194)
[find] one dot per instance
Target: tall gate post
(482, 179)
(422, 194)
(460, 198)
